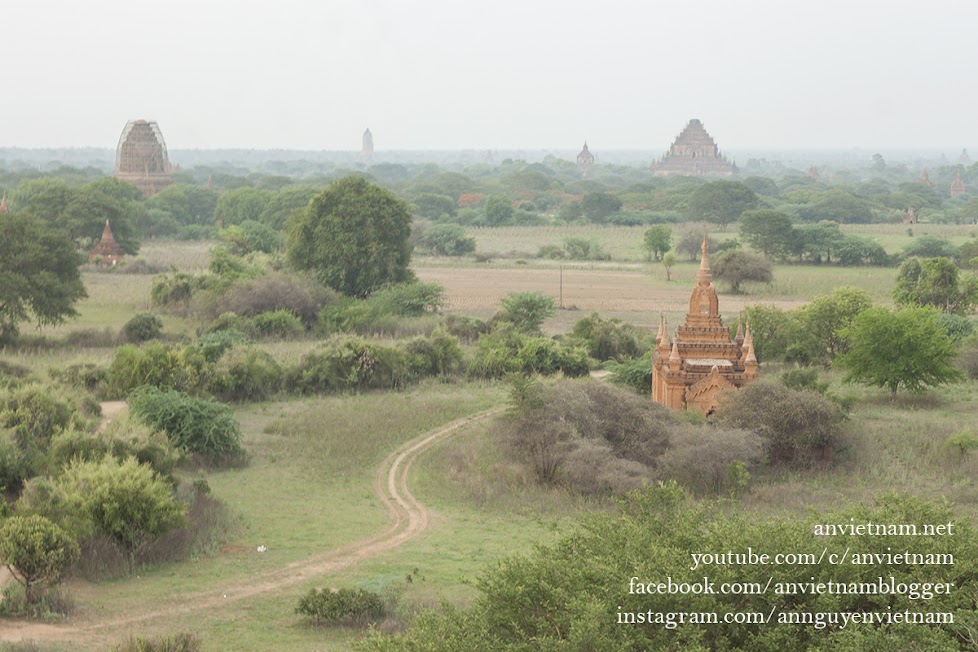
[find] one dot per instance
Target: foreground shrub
(39, 550)
(798, 425)
(143, 327)
(382, 310)
(436, 355)
(636, 374)
(302, 296)
(213, 345)
(968, 358)
(183, 642)
(127, 501)
(47, 604)
(341, 606)
(527, 310)
(201, 427)
(569, 595)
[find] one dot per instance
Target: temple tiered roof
(693, 154)
(141, 157)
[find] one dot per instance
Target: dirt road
(409, 518)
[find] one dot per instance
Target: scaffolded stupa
(141, 157)
(701, 361)
(367, 149)
(694, 154)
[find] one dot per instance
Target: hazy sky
(453, 74)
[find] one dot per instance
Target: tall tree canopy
(721, 202)
(39, 277)
(935, 282)
(908, 348)
(353, 236)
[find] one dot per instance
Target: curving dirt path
(409, 518)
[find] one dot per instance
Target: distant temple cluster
(141, 157)
(694, 154)
(701, 361)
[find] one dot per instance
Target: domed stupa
(141, 157)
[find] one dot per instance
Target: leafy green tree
(354, 236)
(251, 236)
(39, 277)
(935, 282)
(930, 246)
(691, 244)
(657, 241)
(827, 315)
(527, 310)
(242, 204)
(36, 551)
(838, 206)
(188, 204)
(446, 240)
(736, 267)
(498, 211)
(570, 211)
(769, 232)
(285, 203)
(597, 206)
(721, 202)
(818, 241)
(668, 261)
(434, 206)
(126, 501)
(906, 348)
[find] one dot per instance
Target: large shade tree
(907, 348)
(39, 278)
(354, 236)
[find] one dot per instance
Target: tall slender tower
(367, 150)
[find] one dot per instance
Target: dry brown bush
(700, 456)
(301, 295)
(800, 426)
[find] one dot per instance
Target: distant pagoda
(964, 159)
(694, 154)
(585, 160)
(812, 172)
(911, 217)
(367, 150)
(957, 186)
(141, 157)
(925, 178)
(107, 251)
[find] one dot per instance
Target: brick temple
(107, 251)
(141, 157)
(701, 361)
(957, 186)
(585, 160)
(693, 154)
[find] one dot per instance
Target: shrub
(506, 351)
(446, 240)
(436, 355)
(381, 309)
(172, 290)
(152, 364)
(527, 310)
(350, 364)
(280, 323)
(126, 501)
(607, 339)
(246, 374)
(341, 606)
(962, 442)
(636, 374)
(123, 438)
(466, 329)
(213, 345)
(88, 376)
(182, 642)
(584, 249)
(143, 327)
(40, 551)
(302, 296)
(704, 458)
(799, 379)
(968, 358)
(583, 433)
(198, 426)
(797, 424)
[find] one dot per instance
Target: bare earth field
(634, 296)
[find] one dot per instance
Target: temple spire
(703, 275)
